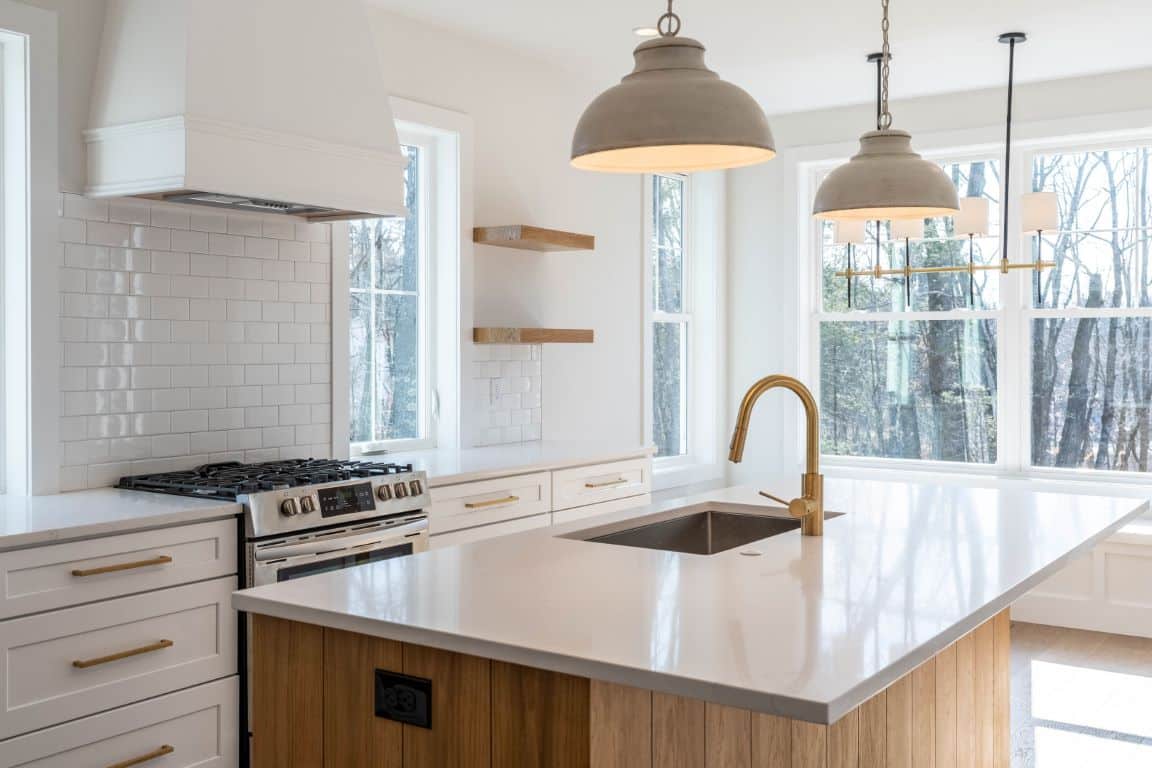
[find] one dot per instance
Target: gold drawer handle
(164, 750)
(158, 560)
(491, 502)
(159, 645)
(608, 484)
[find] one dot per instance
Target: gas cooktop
(231, 479)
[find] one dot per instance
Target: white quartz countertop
(27, 521)
(451, 466)
(808, 629)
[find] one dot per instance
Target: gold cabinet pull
(158, 752)
(607, 484)
(491, 502)
(159, 645)
(158, 560)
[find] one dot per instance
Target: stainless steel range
(306, 516)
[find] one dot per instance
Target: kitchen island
(884, 642)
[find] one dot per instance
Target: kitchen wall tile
(260, 248)
(225, 288)
(176, 399)
(150, 238)
(508, 387)
(107, 233)
(207, 265)
(73, 280)
(193, 287)
(175, 217)
(279, 227)
(151, 285)
(169, 308)
(291, 250)
(129, 259)
(225, 245)
(190, 241)
(176, 353)
(243, 397)
(244, 225)
(207, 221)
(132, 307)
(73, 231)
(84, 305)
(190, 421)
(170, 262)
(128, 211)
(80, 207)
(85, 256)
(295, 292)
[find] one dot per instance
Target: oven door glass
(290, 572)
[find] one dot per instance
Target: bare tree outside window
(913, 379)
(1092, 329)
(670, 316)
(384, 268)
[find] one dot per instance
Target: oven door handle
(320, 546)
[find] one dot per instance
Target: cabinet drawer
(489, 531)
(489, 501)
(66, 664)
(195, 727)
(580, 513)
(600, 482)
(59, 575)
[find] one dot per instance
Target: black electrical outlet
(404, 698)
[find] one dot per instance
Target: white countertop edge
(841, 706)
(783, 706)
(758, 701)
(104, 528)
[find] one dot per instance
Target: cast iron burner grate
(230, 479)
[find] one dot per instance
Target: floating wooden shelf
(528, 238)
(531, 336)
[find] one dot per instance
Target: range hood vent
(191, 105)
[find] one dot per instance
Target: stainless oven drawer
(287, 559)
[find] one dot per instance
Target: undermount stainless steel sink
(694, 531)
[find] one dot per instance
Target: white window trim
(1014, 314)
(31, 252)
(704, 268)
(449, 258)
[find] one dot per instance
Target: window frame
(704, 210)
(1013, 315)
(448, 208)
(426, 303)
(30, 254)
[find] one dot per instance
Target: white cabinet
(194, 727)
(66, 664)
(121, 650)
(56, 576)
(468, 512)
(468, 505)
(596, 483)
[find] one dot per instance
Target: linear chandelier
(1039, 214)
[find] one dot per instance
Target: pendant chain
(669, 24)
(885, 115)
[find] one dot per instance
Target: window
(909, 371)
(389, 356)
(1034, 371)
(671, 314)
(1091, 327)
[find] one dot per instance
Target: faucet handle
(800, 507)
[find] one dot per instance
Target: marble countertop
(27, 521)
(808, 629)
(452, 466)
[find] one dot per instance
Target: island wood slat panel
(951, 711)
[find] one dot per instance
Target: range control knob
(384, 492)
(307, 505)
(289, 508)
(415, 487)
(401, 490)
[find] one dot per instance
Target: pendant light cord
(885, 55)
(669, 23)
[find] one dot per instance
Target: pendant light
(886, 179)
(671, 113)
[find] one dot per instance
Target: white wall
(768, 210)
(524, 110)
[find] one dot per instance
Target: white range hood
(265, 105)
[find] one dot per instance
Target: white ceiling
(810, 54)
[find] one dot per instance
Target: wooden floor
(1080, 699)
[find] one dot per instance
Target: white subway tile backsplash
(294, 251)
(152, 330)
(73, 280)
(127, 211)
(207, 221)
(280, 228)
(244, 225)
(247, 269)
(151, 285)
(260, 248)
(80, 207)
(225, 245)
(208, 397)
(131, 307)
(168, 308)
(150, 238)
(108, 233)
(171, 217)
(85, 256)
(170, 262)
(176, 353)
(507, 383)
(190, 241)
(84, 305)
(190, 421)
(129, 259)
(192, 287)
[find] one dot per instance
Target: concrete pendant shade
(886, 180)
(671, 113)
